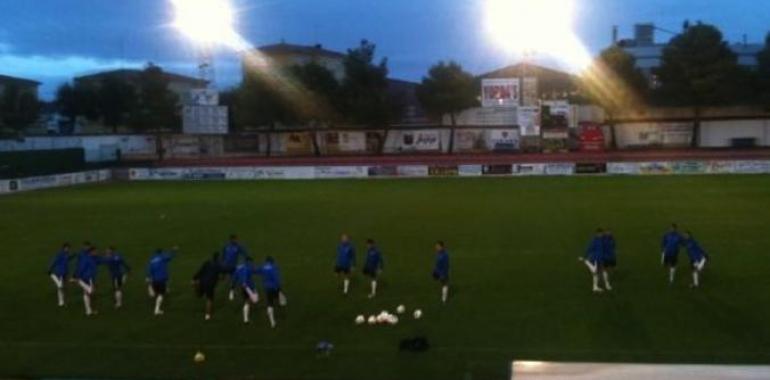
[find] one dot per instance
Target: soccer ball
(372, 320)
(360, 320)
(199, 357)
(400, 309)
(392, 319)
(383, 317)
(417, 314)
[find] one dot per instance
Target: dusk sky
(52, 40)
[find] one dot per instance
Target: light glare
(206, 22)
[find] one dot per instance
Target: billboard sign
(529, 120)
(500, 92)
(203, 97)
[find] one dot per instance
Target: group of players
(233, 263)
(601, 256)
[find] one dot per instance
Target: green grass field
(518, 290)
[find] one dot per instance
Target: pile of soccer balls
(386, 318)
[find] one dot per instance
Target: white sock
(345, 285)
(60, 296)
(270, 316)
(87, 303)
(231, 295)
(282, 299)
(374, 288)
(695, 279)
(595, 278)
(606, 280)
(253, 296)
(671, 272)
(150, 291)
(86, 287)
(56, 281)
(246, 312)
(118, 298)
(444, 293)
(158, 303)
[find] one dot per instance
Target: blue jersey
(60, 264)
(230, 254)
(81, 258)
(88, 268)
(374, 261)
(595, 251)
(670, 243)
(244, 276)
(441, 268)
(694, 250)
(157, 268)
(271, 276)
(608, 248)
(346, 255)
(117, 265)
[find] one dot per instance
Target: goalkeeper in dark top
(373, 265)
(205, 281)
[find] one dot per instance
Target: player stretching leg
(157, 276)
(86, 277)
(346, 260)
(374, 265)
(244, 279)
(231, 252)
(698, 258)
(271, 281)
(609, 257)
(58, 271)
(669, 256)
(441, 269)
(205, 282)
(118, 272)
(593, 258)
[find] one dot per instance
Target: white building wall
(719, 134)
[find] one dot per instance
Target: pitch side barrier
(427, 171)
(386, 171)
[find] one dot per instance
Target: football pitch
(518, 291)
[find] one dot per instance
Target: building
(181, 85)
(286, 55)
(25, 85)
(551, 84)
(649, 53)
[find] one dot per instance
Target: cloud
(31, 66)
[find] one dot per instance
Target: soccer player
(86, 277)
(441, 269)
(271, 281)
(669, 245)
(244, 278)
(698, 257)
(118, 272)
(609, 257)
(205, 281)
(58, 270)
(593, 258)
(373, 265)
(346, 260)
(231, 252)
(157, 276)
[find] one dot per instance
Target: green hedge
(28, 163)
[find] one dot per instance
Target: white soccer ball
(400, 309)
(372, 320)
(383, 317)
(417, 314)
(392, 319)
(199, 357)
(360, 320)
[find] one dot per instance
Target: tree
(78, 100)
(698, 69)
(322, 90)
(116, 98)
(763, 73)
(448, 89)
(19, 108)
(364, 92)
(614, 83)
(259, 102)
(156, 106)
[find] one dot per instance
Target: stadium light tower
(208, 23)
